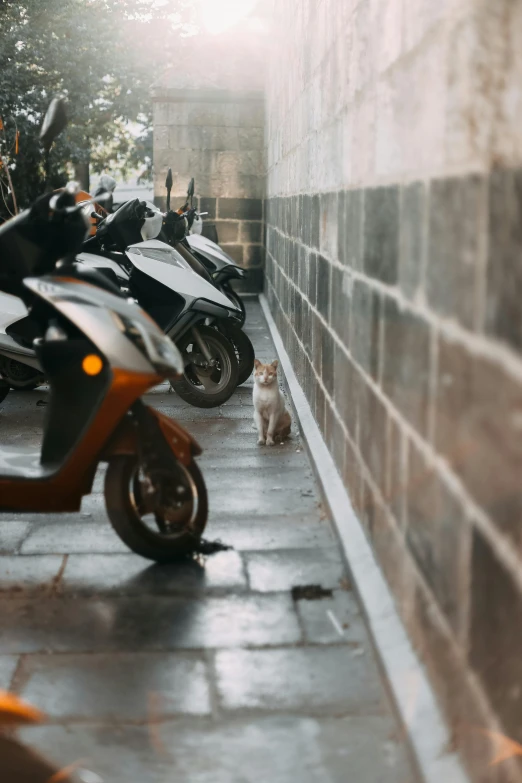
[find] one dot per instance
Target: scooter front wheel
(206, 384)
(236, 299)
(148, 525)
(243, 347)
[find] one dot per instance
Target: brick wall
(394, 272)
(208, 116)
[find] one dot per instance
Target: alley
(222, 670)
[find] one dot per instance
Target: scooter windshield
(160, 252)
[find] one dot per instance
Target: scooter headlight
(158, 348)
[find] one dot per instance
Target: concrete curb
(426, 731)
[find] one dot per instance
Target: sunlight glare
(219, 15)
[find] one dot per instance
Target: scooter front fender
(180, 441)
(126, 438)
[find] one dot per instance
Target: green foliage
(102, 56)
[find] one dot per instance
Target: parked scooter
(176, 231)
(161, 280)
(100, 353)
(19, 366)
(222, 268)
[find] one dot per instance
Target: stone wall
(209, 124)
(394, 272)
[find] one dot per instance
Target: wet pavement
(220, 670)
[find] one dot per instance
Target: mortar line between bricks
(489, 348)
(498, 540)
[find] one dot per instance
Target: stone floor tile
(273, 571)
(189, 414)
(279, 749)
(124, 687)
(254, 458)
(238, 412)
(84, 624)
(244, 442)
(72, 535)
(28, 574)
(12, 533)
(8, 664)
(312, 680)
(204, 430)
(333, 620)
(130, 574)
(252, 501)
(268, 533)
(270, 480)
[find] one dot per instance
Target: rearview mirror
(54, 122)
(190, 191)
(168, 185)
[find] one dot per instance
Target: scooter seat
(25, 463)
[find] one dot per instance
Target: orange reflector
(14, 710)
(92, 364)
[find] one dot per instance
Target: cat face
(265, 374)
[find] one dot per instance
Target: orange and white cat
(271, 418)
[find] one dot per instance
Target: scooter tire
(244, 349)
(183, 385)
(236, 299)
(126, 521)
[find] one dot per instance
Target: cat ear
(275, 364)
(257, 363)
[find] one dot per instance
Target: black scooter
(175, 232)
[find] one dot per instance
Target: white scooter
(19, 367)
(221, 267)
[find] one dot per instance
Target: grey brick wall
(394, 272)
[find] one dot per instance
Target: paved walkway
(217, 671)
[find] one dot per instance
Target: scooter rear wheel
(21, 377)
(152, 531)
(243, 347)
(207, 387)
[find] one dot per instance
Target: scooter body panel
(91, 310)
(181, 280)
(10, 349)
(26, 484)
(94, 261)
(214, 253)
(12, 309)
